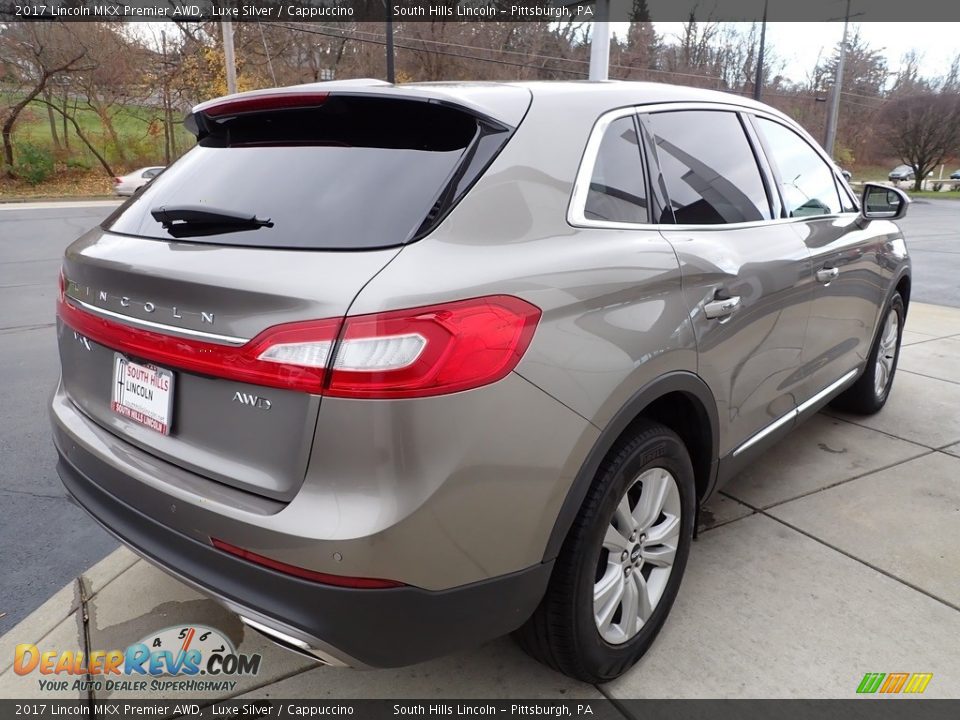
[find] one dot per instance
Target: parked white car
(129, 184)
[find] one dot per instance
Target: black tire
(562, 632)
(862, 397)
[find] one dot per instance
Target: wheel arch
(674, 400)
(903, 287)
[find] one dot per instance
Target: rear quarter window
(617, 192)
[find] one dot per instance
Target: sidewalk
(835, 555)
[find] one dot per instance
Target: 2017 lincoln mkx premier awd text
(394, 370)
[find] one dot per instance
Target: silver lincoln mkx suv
(394, 370)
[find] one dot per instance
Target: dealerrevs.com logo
(171, 659)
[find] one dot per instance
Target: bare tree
(51, 118)
(113, 81)
(951, 81)
(864, 78)
(639, 53)
(67, 116)
(37, 53)
(922, 130)
(908, 80)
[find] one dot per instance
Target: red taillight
(117, 181)
(451, 347)
(419, 352)
(241, 363)
(287, 569)
(260, 103)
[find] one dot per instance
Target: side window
(709, 168)
(617, 192)
(806, 180)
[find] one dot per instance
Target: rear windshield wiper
(184, 220)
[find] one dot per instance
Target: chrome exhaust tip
(291, 643)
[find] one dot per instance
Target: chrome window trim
(160, 327)
(581, 184)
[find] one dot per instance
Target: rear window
(352, 173)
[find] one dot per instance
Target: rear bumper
(359, 628)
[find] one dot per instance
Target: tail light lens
(419, 352)
(287, 569)
(241, 363)
(432, 350)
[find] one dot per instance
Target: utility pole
(226, 28)
(600, 42)
(834, 111)
(758, 83)
(167, 114)
(391, 76)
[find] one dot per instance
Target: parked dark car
(901, 173)
(955, 175)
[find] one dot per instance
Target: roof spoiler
(505, 106)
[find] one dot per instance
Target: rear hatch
(260, 236)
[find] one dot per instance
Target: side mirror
(883, 201)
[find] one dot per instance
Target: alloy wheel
(886, 353)
(637, 555)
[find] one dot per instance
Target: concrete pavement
(837, 554)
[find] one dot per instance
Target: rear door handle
(724, 307)
(827, 274)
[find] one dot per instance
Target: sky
(799, 45)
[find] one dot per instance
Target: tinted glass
(617, 192)
(806, 180)
(709, 168)
(350, 174)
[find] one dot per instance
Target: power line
(866, 97)
(340, 33)
(375, 38)
(437, 52)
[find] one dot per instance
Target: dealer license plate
(143, 393)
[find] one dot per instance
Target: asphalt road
(932, 229)
(45, 540)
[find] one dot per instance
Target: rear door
(261, 235)
(850, 283)
(746, 275)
